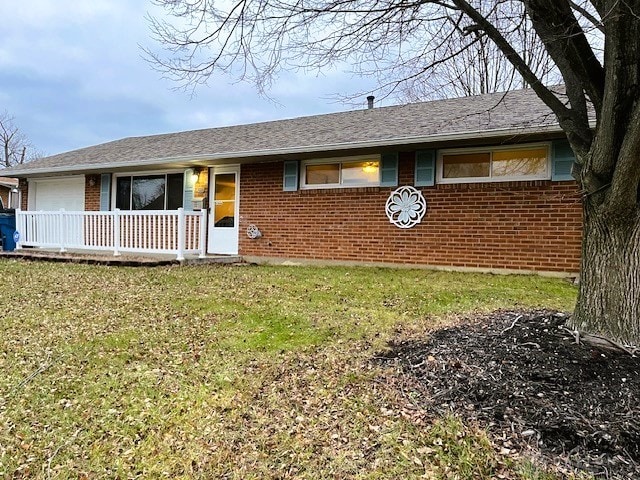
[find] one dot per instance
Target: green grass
(234, 372)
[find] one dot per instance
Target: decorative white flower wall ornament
(253, 232)
(405, 207)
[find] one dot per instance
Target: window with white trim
(499, 164)
(149, 191)
(363, 171)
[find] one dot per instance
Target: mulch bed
(522, 376)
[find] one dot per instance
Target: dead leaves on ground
(150, 374)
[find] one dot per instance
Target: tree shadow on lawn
(522, 376)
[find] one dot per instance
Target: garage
(56, 193)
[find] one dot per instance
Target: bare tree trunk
(609, 300)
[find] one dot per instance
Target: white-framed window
(149, 190)
(494, 164)
(360, 171)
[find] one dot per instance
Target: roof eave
(198, 159)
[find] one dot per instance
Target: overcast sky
(72, 75)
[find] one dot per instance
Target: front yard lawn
(240, 372)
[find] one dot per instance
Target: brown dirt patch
(522, 376)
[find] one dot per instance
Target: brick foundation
(515, 225)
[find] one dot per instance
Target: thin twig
(574, 333)
(417, 365)
(73, 437)
(511, 326)
(33, 375)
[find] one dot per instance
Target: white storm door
(224, 196)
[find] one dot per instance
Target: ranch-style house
(476, 183)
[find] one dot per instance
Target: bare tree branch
(13, 142)
(414, 48)
(582, 10)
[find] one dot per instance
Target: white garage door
(57, 193)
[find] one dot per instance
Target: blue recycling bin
(8, 229)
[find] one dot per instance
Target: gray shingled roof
(417, 123)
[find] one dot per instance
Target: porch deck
(98, 257)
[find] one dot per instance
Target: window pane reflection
(175, 193)
(466, 165)
(323, 174)
(123, 193)
(226, 186)
(147, 193)
(519, 163)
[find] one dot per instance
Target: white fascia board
(192, 160)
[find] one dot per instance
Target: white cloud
(72, 74)
(43, 14)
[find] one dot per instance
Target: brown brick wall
(92, 193)
(23, 186)
(517, 225)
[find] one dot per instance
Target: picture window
(149, 192)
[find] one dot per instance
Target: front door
(223, 214)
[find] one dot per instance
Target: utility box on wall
(198, 203)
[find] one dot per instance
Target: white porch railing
(177, 232)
